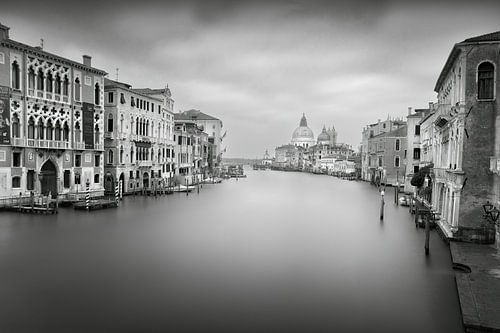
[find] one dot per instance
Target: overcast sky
(258, 65)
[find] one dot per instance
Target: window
(2, 156)
(122, 98)
(2, 58)
(16, 77)
(78, 88)
(66, 132)
(66, 181)
(50, 82)
(398, 144)
(417, 129)
(485, 80)
(96, 178)
(88, 158)
(132, 102)
(110, 123)
(415, 168)
(30, 180)
(16, 159)
(78, 160)
(97, 160)
(77, 179)
(16, 182)
(416, 153)
(15, 126)
(49, 130)
(57, 86)
(31, 78)
(380, 161)
(131, 175)
(97, 94)
(396, 161)
(65, 85)
(31, 128)
(40, 79)
(77, 132)
(121, 155)
(110, 157)
(111, 97)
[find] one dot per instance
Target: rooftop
(193, 115)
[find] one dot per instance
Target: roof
(493, 37)
(39, 52)
(398, 133)
(149, 91)
(193, 115)
(112, 84)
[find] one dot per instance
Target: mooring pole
(87, 196)
(427, 234)
(382, 204)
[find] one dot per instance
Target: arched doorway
(122, 179)
(145, 180)
(109, 186)
(48, 178)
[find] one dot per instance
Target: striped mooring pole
(120, 184)
(117, 192)
(87, 196)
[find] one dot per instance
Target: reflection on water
(274, 251)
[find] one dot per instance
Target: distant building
(289, 156)
(267, 159)
(413, 152)
(303, 136)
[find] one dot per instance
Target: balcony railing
(38, 143)
(144, 163)
(99, 146)
(80, 145)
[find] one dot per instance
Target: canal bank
(274, 251)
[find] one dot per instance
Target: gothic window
(65, 85)
(132, 102)
(58, 82)
(49, 130)
(66, 132)
(40, 129)
(110, 157)
(147, 128)
(110, 123)
(31, 78)
(77, 132)
(57, 133)
(16, 77)
(122, 98)
(77, 89)
(97, 138)
(67, 175)
(137, 126)
(396, 162)
(40, 80)
(121, 154)
(15, 126)
(485, 80)
(31, 128)
(97, 94)
(121, 123)
(132, 155)
(50, 82)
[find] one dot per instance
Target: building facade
(413, 149)
(139, 139)
(51, 122)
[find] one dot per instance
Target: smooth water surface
(273, 252)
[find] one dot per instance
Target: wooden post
(187, 190)
(382, 204)
(427, 235)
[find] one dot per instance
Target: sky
(258, 65)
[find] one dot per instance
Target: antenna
(117, 70)
(41, 43)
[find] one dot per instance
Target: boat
(183, 188)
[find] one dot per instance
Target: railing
(18, 142)
(39, 143)
(99, 146)
(108, 135)
(80, 145)
(144, 163)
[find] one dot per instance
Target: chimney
(87, 60)
(409, 110)
(4, 32)
(431, 106)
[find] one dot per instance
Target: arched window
(110, 156)
(396, 162)
(31, 128)
(97, 135)
(78, 87)
(97, 94)
(31, 78)
(132, 102)
(147, 128)
(39, 80)
(77, 132)
(40, 129)
(485, 80)
(49, 130)
(121, 154)
(121, 123)
(15, 126)
(50, 81)
(398, 144)
(16, 76)
(65, 89)
(66, 132)
(57, 132)
(57, 88)
(132, 154)
(137, 126)
(110, 123)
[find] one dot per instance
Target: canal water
(273, 252)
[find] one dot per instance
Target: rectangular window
(96, 178)
(396, 162)
(16, 182)
(137, 174)
(2, 58)
(415, 168)
(77, 179)
(398, 144)
(110, 97)
(78, 160)
(66, 181)
(2, 155)
(417, 129)
(131, 175)
(97, 160)
(88, 80)
(88, 158)
(16, 159)
(416, 153)
(30, 180)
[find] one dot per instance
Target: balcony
(18, 142)
(144, 163)
(99, 146)
(108, 135)
(79, 145)
(38, 143)
(495, 165)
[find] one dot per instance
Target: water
(273, 252)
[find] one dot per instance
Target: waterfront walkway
(479, 290)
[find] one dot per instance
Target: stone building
(289, 156)
(303, 136)
(462, 139)
(51, 122)
(138, 138)
(413, 152)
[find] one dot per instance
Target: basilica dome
(303, 136)
(323, 137)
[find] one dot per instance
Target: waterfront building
(267, 160)
(289, 156)
(139, 144)
(386, 157)
(51, 122)
(303, 136)
(461, 140)
(212, 126)
(413, 149)
(368, 164)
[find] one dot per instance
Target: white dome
(303, 136)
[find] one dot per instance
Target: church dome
(324, 137)
(303, 136)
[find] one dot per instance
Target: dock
(96, 204)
